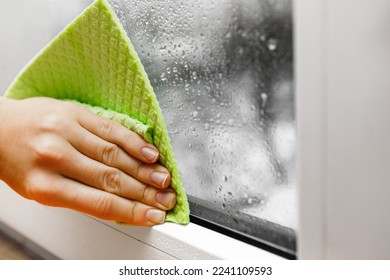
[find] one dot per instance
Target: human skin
(60, 154)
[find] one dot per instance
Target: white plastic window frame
(66, 234)
(342, 81)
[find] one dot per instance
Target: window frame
(342, 85)
(67, 234)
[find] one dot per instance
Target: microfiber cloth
(93, 62)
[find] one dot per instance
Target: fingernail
(149, 153)
(159, 178)
(155, 216)
(166, 198)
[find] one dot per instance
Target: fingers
(115, 133)
(104, 205)
(93, 173)
(108, 171)
(114, 156)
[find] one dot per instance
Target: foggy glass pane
(222, 72)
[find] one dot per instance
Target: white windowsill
(71, 235)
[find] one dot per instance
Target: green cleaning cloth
(92, 61)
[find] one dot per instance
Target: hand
(60, 154)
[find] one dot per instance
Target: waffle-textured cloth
(93, 61)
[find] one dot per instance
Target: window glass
(223, 74)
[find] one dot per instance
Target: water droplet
(272, 44)
(264, 98)
(195, 114)
(190, 145)
(163, 77)
(225, 178)
(206, 126)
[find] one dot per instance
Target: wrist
(3, 121)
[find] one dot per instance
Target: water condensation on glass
(222, 72)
